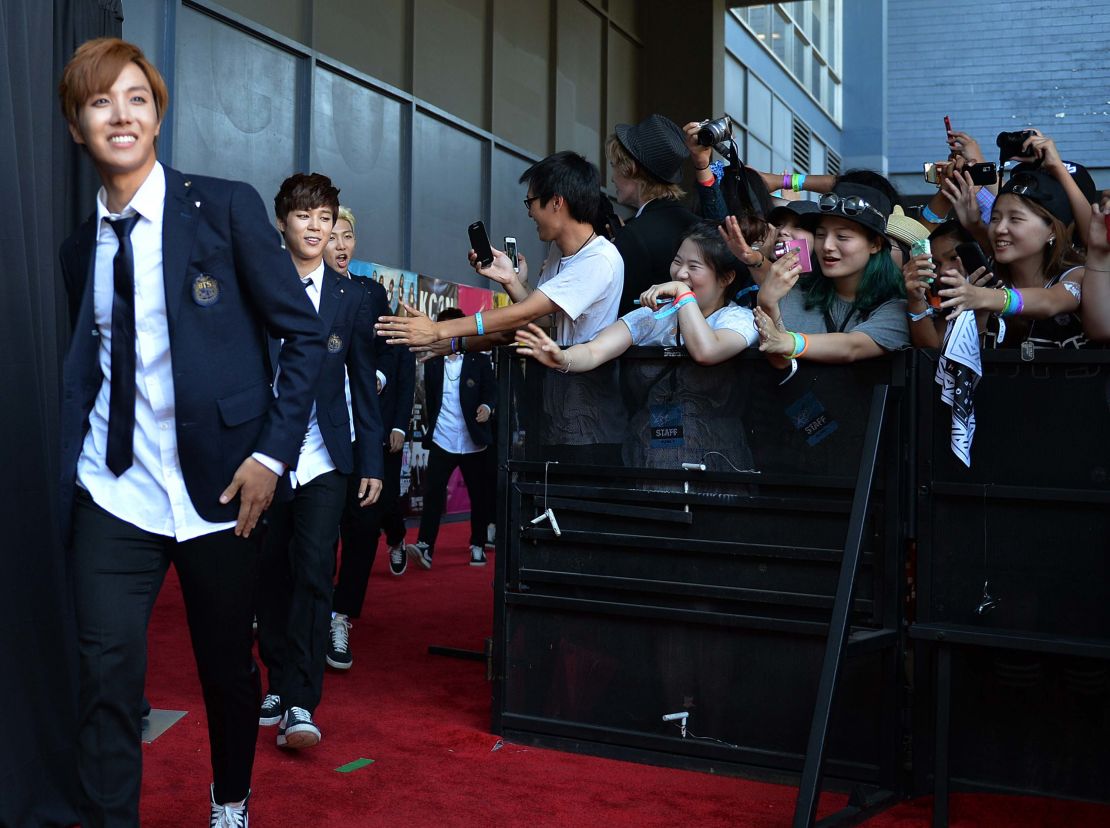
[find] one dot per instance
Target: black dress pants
(360, 529)
(294, 589)
(117, 570)
(440, 465)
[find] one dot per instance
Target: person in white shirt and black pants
(460, 392)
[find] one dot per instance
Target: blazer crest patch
(206, 290)
(335, 344)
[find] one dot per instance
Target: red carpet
(424, 720)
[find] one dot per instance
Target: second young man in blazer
(460, 392)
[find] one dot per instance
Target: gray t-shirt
(886, 324)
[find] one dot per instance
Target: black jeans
(359, 530)
(440, 465)
(294, 600)
(117, 570)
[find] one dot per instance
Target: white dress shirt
(314, 459)
(451, 433)
(151, 494)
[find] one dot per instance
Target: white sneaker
(297, 730)
(339, 647)
(477, 556)
(421, 553)
(229, 815)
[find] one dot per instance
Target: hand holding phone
(479, 241)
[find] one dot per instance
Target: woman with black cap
(855, 308)
(1030, 233)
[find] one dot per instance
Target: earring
(1052, 241)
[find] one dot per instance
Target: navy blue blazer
(477, 386)
(228, 285)
(349, 311)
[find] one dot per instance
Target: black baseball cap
(858, 203)
(1078, 172)
(1042, 189)
(796, 210)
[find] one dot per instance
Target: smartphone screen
(479, 241)
(802, 246)
(510, 251)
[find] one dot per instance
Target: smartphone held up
(802, 248)
(479, 242)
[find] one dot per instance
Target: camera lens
(714, 132)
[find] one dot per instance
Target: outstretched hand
(734, 237)
(414, 329)
(541, 347)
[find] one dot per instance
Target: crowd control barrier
(700, 567)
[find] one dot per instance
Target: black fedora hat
(658, 145)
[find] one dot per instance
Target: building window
(805, 37)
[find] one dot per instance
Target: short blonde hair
(95, 66)
(650, 186)
(346, 214)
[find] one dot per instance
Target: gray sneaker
(421, 553)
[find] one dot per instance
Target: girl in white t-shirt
(692, 310)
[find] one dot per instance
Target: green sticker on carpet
(358, 764)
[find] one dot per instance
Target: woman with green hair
(855, 307)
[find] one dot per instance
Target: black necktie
(121, 405)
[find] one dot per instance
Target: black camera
(711, 133)
(1010, 144)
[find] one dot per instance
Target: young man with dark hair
(172, 440)
(580, 283)
(298, 559)
(579, 287)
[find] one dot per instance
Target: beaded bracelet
(478, 322)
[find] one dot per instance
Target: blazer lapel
(179, 226)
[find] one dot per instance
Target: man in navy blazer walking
(172, 440)
(298, 559)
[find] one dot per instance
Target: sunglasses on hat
(849, 205)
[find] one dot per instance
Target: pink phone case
(802, 246)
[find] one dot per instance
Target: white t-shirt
(647, 330)
(587, 288)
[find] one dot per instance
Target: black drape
(45, 187)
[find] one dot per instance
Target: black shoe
(339, 648)
(297, 730)
(398, 560)
(270, 714)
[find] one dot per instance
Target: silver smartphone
(510, 251)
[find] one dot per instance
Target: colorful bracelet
(785, 180)
(1014, 303)
(797, 182)
(478, 322)
(687, 299)
(453, 350)
(682, 296)
(801, 343)
(1017, 308)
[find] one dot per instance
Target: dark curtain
(45, 187)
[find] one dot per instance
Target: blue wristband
(930, 216)
(478, 321)
(667, 310)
